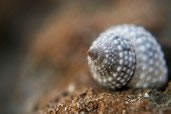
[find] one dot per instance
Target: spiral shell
(127, 55)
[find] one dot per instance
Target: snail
(127, 55)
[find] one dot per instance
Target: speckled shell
(132, 57)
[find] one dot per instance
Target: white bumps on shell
(127, 55)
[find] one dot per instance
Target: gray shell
(133, 59)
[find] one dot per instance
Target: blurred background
(44, 42)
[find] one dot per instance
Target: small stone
(146, 95)
(123, 111)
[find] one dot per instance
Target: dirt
(85, 96)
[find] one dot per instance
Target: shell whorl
(127, 55)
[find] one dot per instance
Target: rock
(146, 95)
(60, 47)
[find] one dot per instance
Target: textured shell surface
(127, 55)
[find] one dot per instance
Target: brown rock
(61, 45)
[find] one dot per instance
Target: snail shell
(127, 55)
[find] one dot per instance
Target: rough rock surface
(59, 61)
(84, 96)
